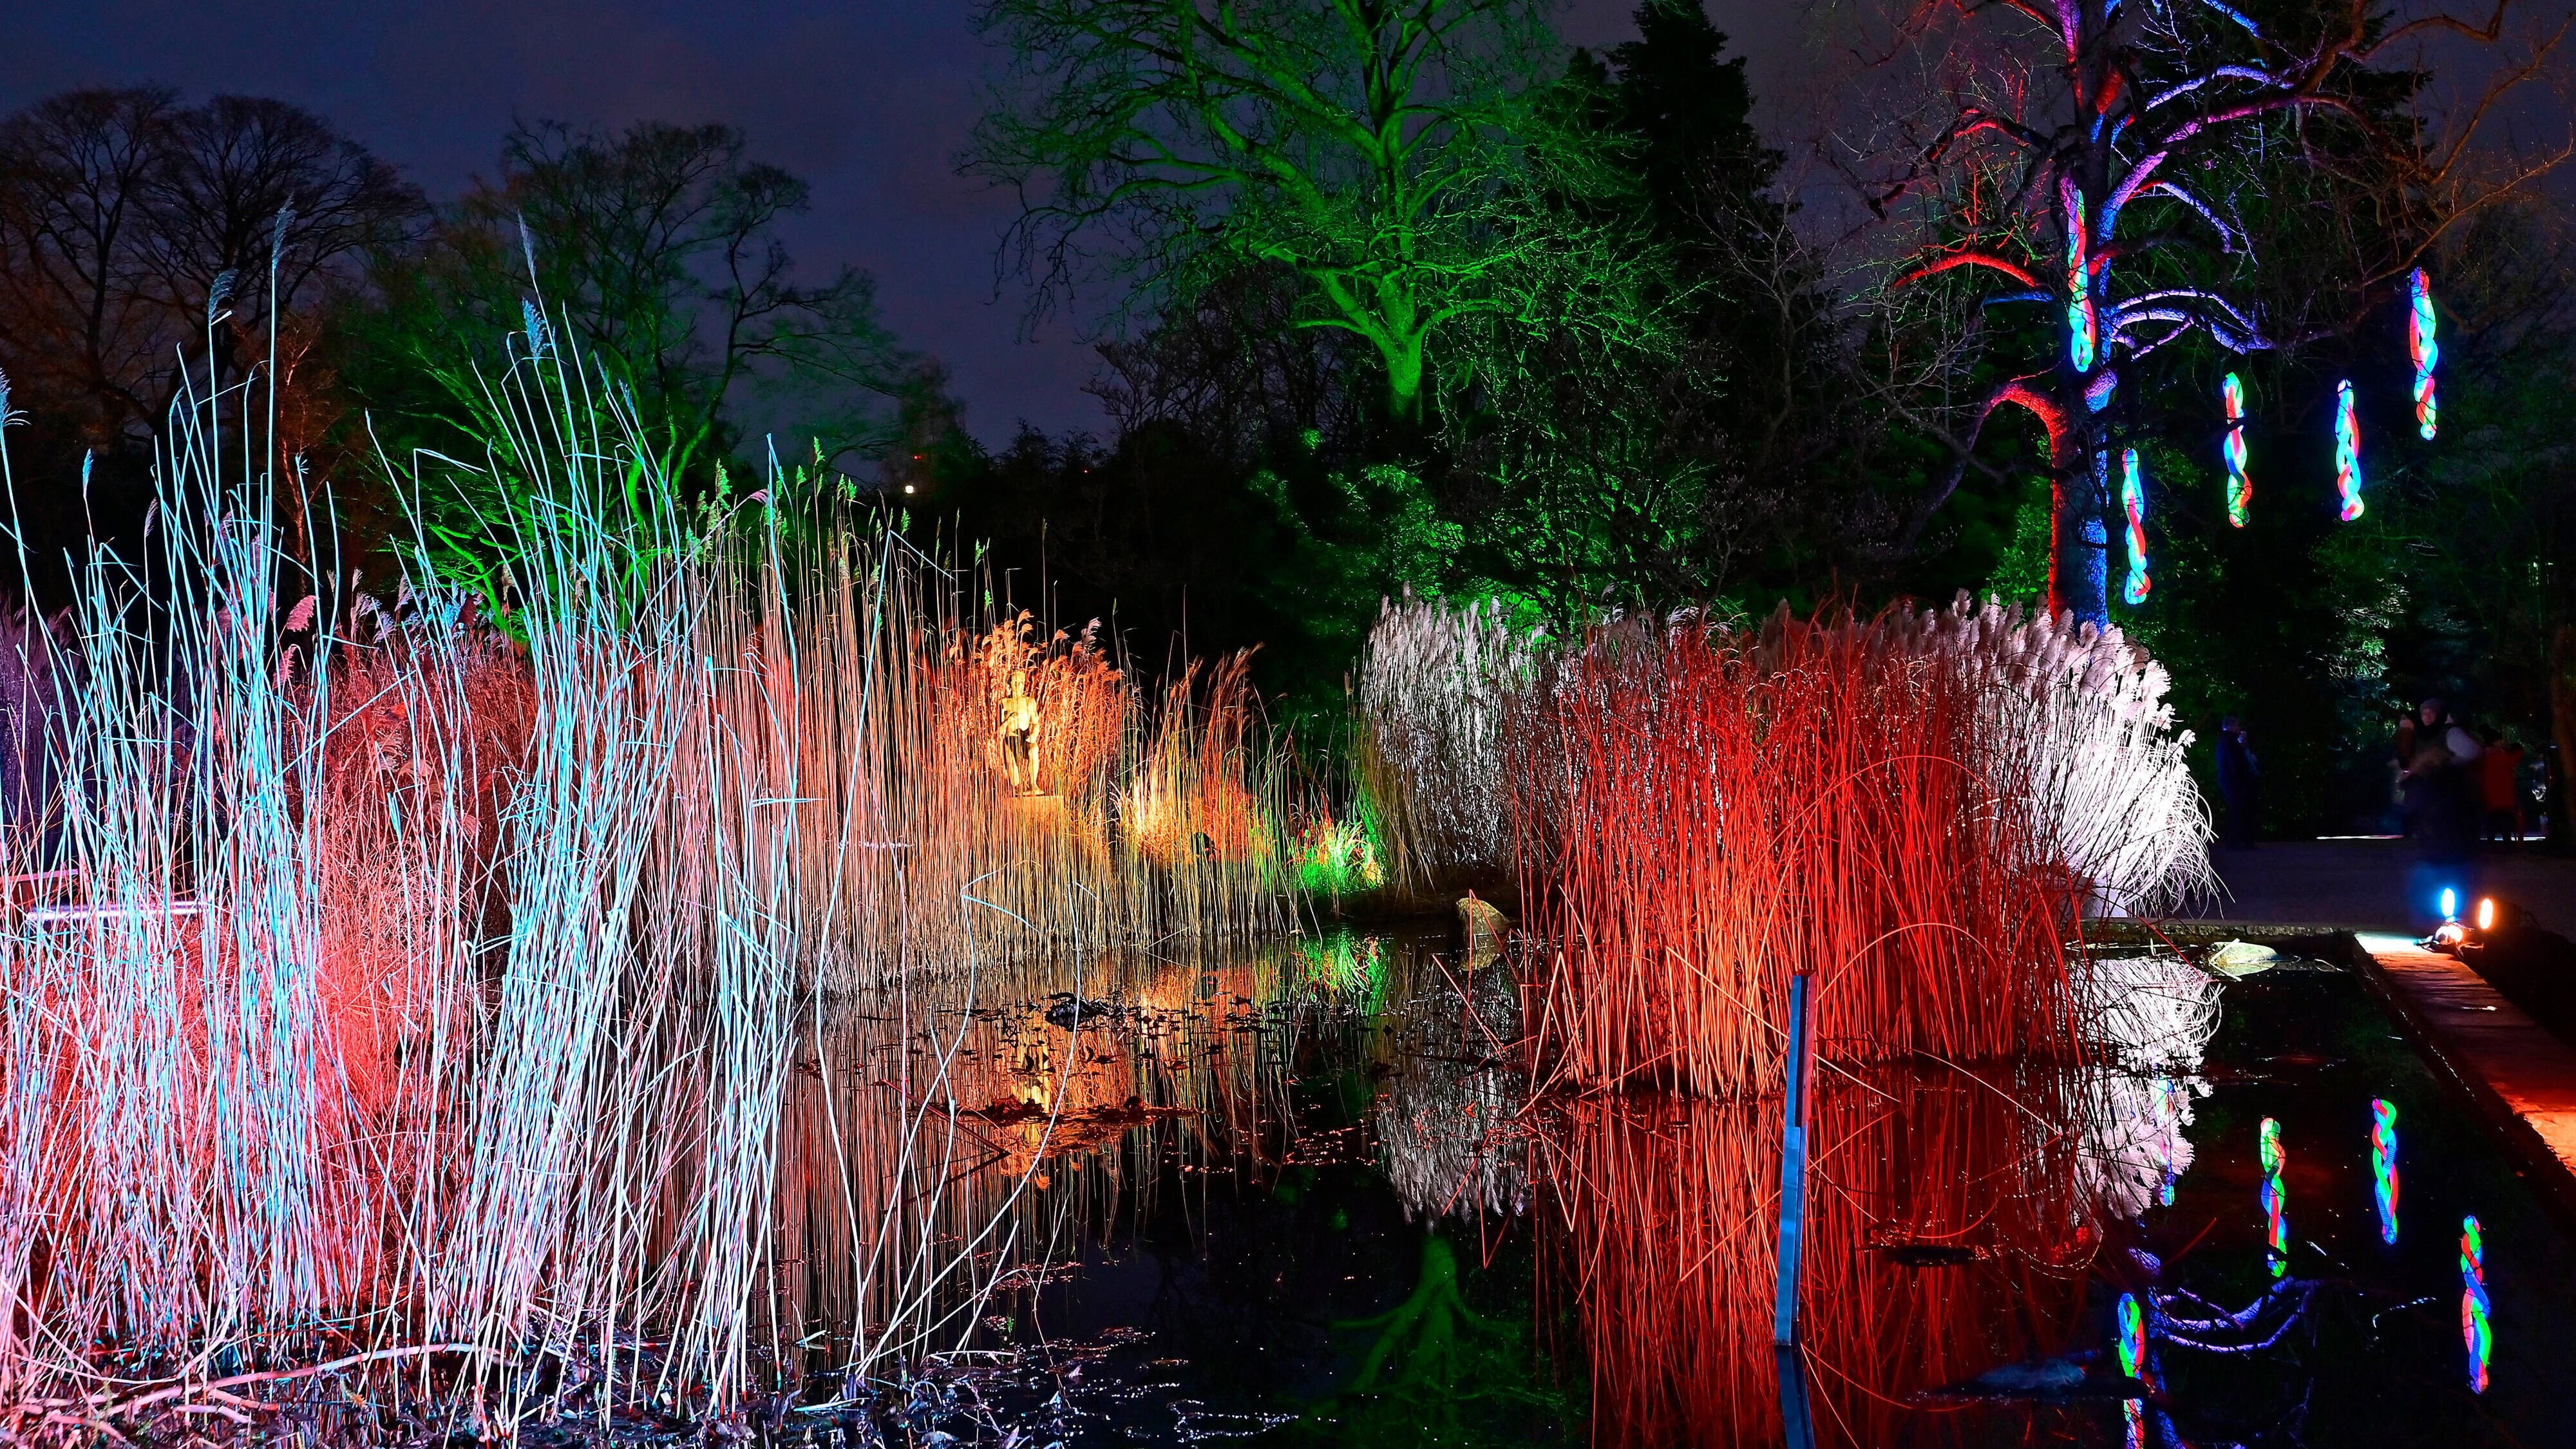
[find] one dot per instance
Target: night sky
(868, 100)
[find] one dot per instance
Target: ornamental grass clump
(414, 988)
(1916, 808)
(1703, 812)
(1434, 683)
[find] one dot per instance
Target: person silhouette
(2240, 777)
(1019, 736)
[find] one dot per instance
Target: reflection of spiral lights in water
(1663, 1239)
(2276, 1200)
(2133, 1364)
(2154, 1016)
(2383, 1166)
(2475, 1332)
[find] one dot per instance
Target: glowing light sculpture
(2347, 452)
(2240, 488)
(2133, 1364)
(2383, 1166)
(2097, 394)
(2422, 348)
(2083, 325)
(2133, 502)
(2475, 1332)
(2276, 1200)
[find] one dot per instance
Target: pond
(1299, 1196)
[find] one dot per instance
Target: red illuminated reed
(1702, 810)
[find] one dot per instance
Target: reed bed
(1916, 807)
(416, 986)
(1703, 812)
(1435, 682)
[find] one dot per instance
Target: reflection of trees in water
(926, 1167)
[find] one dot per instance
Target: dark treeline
(1450, 308)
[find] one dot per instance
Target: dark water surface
(1299, 1199)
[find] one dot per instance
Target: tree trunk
(2079, 550)
(1404, 372)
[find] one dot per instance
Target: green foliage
(1438, 1371)
(2021, 569)
(1396, 157)
(655, 252)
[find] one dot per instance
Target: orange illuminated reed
(1916, 808)
(417, 984)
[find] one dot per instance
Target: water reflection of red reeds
(1703, 811)
(1663, 1240)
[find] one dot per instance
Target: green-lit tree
(1399, 157)
(1709, 466)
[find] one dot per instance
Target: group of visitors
(2455, 788)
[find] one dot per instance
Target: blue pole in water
(1796, 1419)
(1793, 1166)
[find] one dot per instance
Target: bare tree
(83, 327)
(657, 247)
(133, 229)
(2064, 119)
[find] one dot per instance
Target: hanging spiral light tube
(2476, 1334)
(2133, 502)
(2347, 452)
(2383, 1166)
(2240, 488)
(2422, 348)
(2083, 328)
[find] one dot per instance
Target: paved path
(2378, 885)
(2520, 1075)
